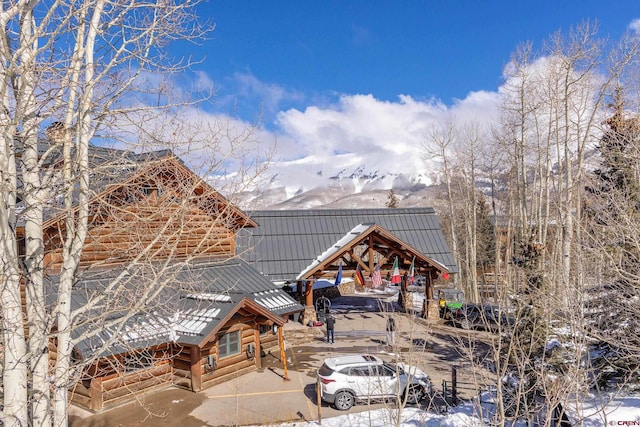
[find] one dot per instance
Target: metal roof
(112, 168)
(196, 300)
(335, 248)
(107, 167)
(285, 243)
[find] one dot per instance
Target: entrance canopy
(368, 246)
(287, 246)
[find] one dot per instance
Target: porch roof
(195, 301)
(285, 243)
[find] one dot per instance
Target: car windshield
(453, 295)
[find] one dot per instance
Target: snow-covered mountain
(353, 150)
(307, 185)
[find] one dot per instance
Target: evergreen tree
(524, 345)
(617, 179)
(486, 238)
(392, 200)
(613, 216)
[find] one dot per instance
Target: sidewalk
(266, 397)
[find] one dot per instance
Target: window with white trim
(229, 344)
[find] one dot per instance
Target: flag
(395, 277)
(359, 277)
(339, 276)
(377, 277)
(412, 273)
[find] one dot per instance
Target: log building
(178, 287)
(161, 297)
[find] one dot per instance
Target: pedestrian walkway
(359, 333)
(272, 395)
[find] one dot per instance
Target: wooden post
(428, 286)
(319, 399)
(454, 386)
(308, 293)
(283, 355)
(299, 290)
(309, 309)
(428, 295)
(95, 394)
(432, 311)
(258, 345)
(196, 369)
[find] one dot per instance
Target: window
(360, 371)
(385, 371)
(325, 371)
(149, 190)
(229, 344)
(264, 329)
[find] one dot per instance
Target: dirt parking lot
(267, 397)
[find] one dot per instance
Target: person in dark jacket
(331, 323)
(391, 331)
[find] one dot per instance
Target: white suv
(345, 379)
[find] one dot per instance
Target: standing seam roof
(286, 242)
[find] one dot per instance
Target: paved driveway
(266, 397)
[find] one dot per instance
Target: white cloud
(214, 145)
(268, 96)
(360, 130)
(352, 132)
(203, 81)
(635, 25)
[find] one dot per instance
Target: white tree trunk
(42, 83)
(14, 374)
(34, 200)
(76, 222)
(14, 346)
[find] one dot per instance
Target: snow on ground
(624, 411)
(618, 411)
(596, 411)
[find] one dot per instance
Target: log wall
(268, 342)
(111, 390)
(205, 374)
(107, 383)
(135, 229)
(235, 365)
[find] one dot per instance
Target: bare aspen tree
(470, 156)
(439, 142)
(84, 69)
(518, 126)
(458, 146)
(553, 105)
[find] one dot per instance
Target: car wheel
(465, 324)
(344, 400)
(415, 394)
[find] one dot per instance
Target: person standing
(331, 323)
(442, 303)
(391, 331)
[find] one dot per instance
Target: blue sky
(297, 53)
(347, 85)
